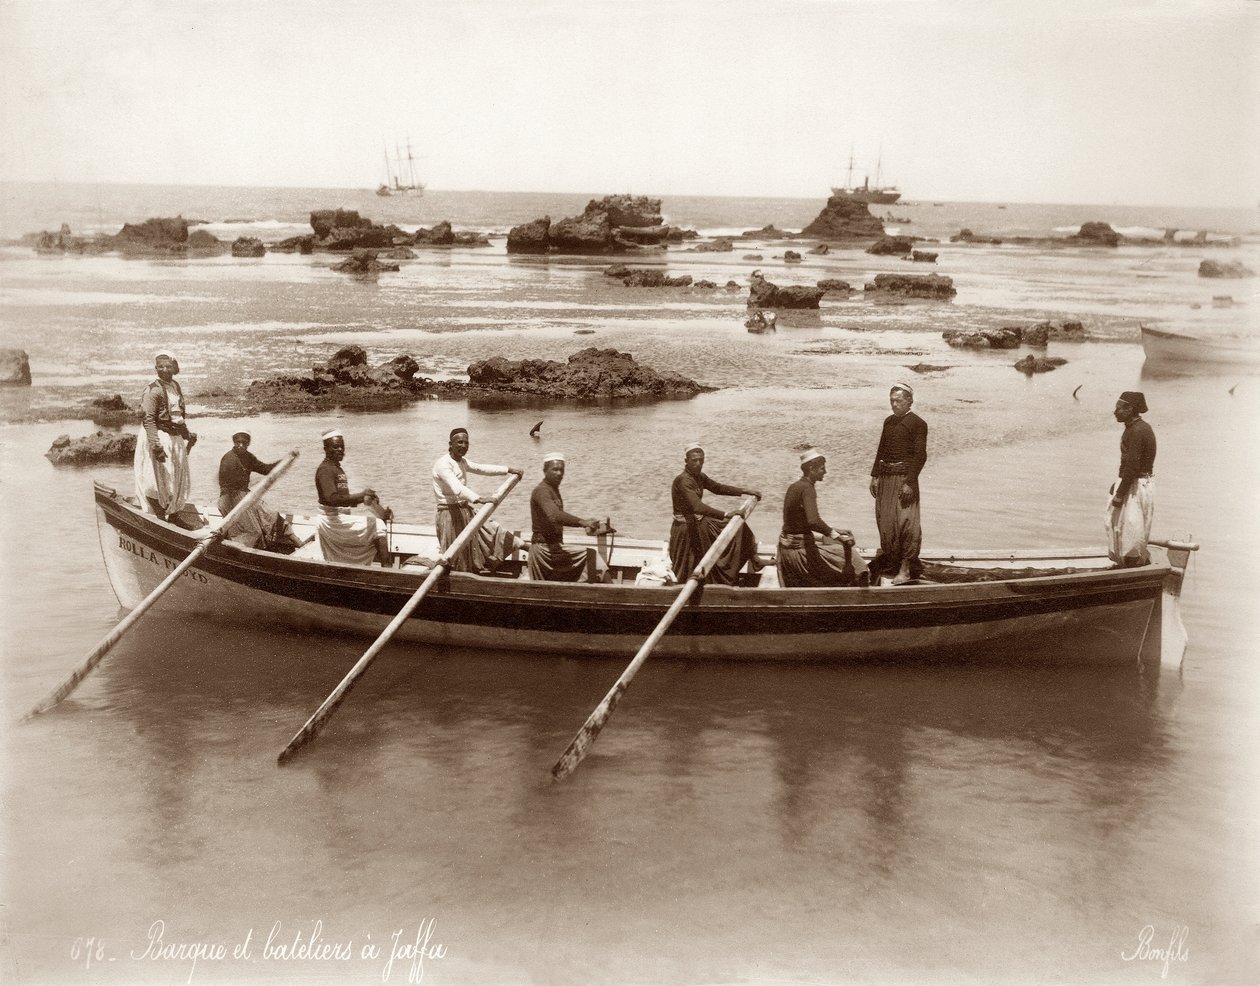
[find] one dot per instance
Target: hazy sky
(1097, 102)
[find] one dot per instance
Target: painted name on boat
(152, 557)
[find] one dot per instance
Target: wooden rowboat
(1161, 346)
(1019, 608)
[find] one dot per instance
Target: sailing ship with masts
(879, 195)
(400, 173)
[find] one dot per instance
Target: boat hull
(1172, 347)
(1103, 617)
(870, 196)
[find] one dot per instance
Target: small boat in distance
(400, 177)
(1162, 346)
(879, 195)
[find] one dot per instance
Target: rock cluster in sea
(101, 446)
(1031, 364)
(844, 219)
(646, 277)
(1012, 337)
(589, 374)
(891, 246)
(763, 294)
(364, 263)
(343, 230)
(348, 380)
(613, 224)
(912, 286)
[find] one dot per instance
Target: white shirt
(448, 479)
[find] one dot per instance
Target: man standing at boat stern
(550, 559)
(343, 536)
(163, 482)
(1132, 506)
(455, 508)
(900, 458)
(697, 525)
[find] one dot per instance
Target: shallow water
(733, 823)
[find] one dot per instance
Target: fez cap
(1135, 399)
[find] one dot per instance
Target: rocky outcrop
(654, 279)
(153, 237)
(967, 236)
(1031, 364)
(912, 285)
(763, 294)
(248, 246)
(1007, 338)
(531, 237)
(613, 224)
(364, 263)
(719, 244)
(891, 246)
(1096, 234)
(205, 244)
(791, 257)
(835, 284)
(15, 368)
(304, 244)
(768, 232)
(844, 219)
(821, 250)
(923, 256)
(588, 375)
(102, 446)
(1212, 268)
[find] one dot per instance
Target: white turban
(902, 386)
(693, 447)
(329, 435)
(553, 457)
(809, 455)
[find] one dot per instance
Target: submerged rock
(923, 256)
(1097, 234)
(895, 246)
(102, 446)
(248, 246)
(1031, 364)
(15, 368)
(1213, 268)
(364, 263)
(835, 284)
(1008, 338)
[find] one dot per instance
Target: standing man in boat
(804, 559)
(346, 537)
(550, 559)
(697, 525)
(163, 483)
(455, 508)
(900, 457)
(259, 526)
(1132, 506)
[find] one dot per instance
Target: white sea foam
(40, 297)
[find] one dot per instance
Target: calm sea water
(734, 824)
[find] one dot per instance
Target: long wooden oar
(130, 620)
(316, 722)
(581, 744)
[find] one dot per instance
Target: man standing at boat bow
(163, 482)
(1132, 506)
(900, 457)
(455, 508)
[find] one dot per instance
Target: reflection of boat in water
(1049, 607)
(400, 177)
(879, 195)
(1162, 346)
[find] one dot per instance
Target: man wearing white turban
(811, 551)
(343, 536)
(550, 559)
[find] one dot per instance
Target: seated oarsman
(697, 525)
(811, 551)
(343, 536)
(456, 503)
(550, 559)
(258, 526)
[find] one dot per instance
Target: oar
(581, 744)
(316, 722)
(103, 648)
